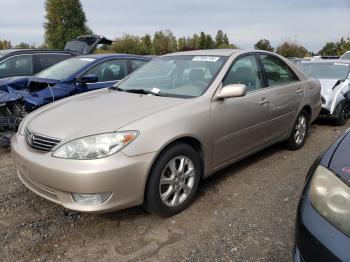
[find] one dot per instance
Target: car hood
(96, 112)
(340, 162)
(327, 85)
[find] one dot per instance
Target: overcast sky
(310, 22)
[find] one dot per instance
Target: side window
(21, 65)
(137, 63)
(43, 61)
(277, 72)
(109, 71)
(245, 70)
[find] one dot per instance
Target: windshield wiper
(139, 91)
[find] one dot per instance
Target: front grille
(40, 142)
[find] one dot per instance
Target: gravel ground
(245, 212)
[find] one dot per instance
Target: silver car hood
(96, 112)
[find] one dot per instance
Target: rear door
(17, 65)
(240, 125)
(285, 91)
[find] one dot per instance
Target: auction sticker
(341, 64)
(206, 58)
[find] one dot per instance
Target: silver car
(334, 76)
(153, 137)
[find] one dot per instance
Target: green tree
(5, 44)
(65, 20)
(210, 42)
(23, 45)
(146, 42)
(164, 42)
(219, 39)
(335, 48)
(291, 49)
(264, 44)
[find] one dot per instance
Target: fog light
(90, 199)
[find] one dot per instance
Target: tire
(341, 114)
(299, 132)
(183, 185)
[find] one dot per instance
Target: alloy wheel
(176, 181)
(300, 129)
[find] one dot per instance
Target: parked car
(334, 76)
(323, 228)
(156, 134)
(346, 55)
(20, 95)
(28, 62)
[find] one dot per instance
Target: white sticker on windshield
(341, 64)
(206, 58)
(87, 59)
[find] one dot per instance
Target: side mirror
(234, 90)
(89, 78)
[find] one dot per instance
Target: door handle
(263, 101)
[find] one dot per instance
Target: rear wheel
(173, 181)
(299, 132)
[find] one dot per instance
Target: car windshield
(325, 70)
(345, 56)
(176, 76)
(66, 68)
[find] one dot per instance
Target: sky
(311, 23)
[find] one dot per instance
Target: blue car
(20, 95)
(323, 219)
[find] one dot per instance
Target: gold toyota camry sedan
(152, 137)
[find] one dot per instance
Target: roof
(208, 52)
(11, 51)
(101, 56)
(325, 61)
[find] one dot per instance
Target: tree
(164, 42)
(5, 44)
(335, 48)
(264, 44)
(291, 49)
(65, 20)
(219, 39)
(23, 45)
(146, 41)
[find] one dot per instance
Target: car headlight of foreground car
(95, 146)
(331, 198)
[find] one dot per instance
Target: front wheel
(173, 181)
(342, 114)
(299, 132)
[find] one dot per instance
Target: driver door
(240, 125)
(108, 73)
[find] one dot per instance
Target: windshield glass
(325, 70)
(345, 56)
(177, 76)
(65, 68)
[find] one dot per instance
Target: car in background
(20, 95)
(346, 55)
(158, 132)
(28, 62)
(334, 76)
(323, 217)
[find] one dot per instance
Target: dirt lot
(244, 213)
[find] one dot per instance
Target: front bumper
(55, 178)
(315, 238)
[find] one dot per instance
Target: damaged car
(334, 76)
(28, 62)
(20, 95)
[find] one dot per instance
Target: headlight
(96, 146)
(331, 198)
